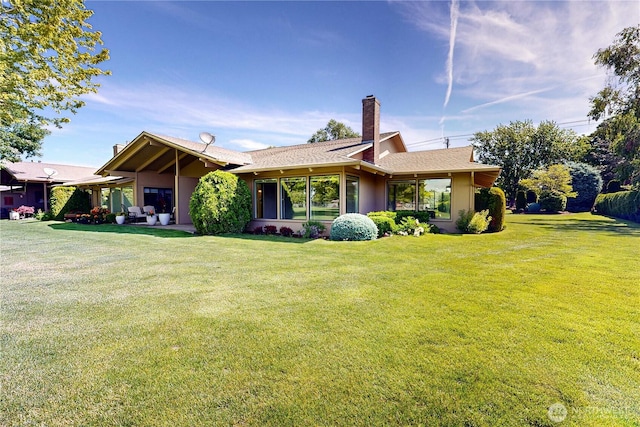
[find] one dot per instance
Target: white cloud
(525, 59)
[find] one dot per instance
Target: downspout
(472, 199)
(177, 186)
(46, 196)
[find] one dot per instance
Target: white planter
(151, 219)
(164, 218)
(14, 215)
(120, 219)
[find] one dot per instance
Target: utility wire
(445, 139)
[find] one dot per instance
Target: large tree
(333, 130)
(48, 59)
(520, 148)
(619, 101)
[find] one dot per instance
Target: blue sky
(258, 73)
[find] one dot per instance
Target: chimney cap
(370, 96)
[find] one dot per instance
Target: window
(401, 196)
(324, 195)
(293, 195)
(159, 198)
(435, 196)
(266, 198)
(353, 184)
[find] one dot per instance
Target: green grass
(107, 325)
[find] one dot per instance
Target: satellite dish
(207, 138)
(50, 172)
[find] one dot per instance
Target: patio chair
(146, 209)
(135, 213)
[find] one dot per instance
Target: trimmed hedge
(623, 204)
(68, 199)
(353, 226)
(493, 200)
(220, 203)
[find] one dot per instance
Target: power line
(446, 139)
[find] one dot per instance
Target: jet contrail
(452, 42)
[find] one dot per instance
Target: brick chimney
(371, 128)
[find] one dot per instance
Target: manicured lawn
(107, 325)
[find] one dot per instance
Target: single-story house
(311, 181)
(30, 183)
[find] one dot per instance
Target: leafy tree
(602, 156)
(520, 148)
(619, 100)
(587, 182)
(48, 59)
(332, 131)
(21, 138)
(555, 179)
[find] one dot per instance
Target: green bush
(480, 222)
(473, 222)
(552, 201)
(623, 204)
(587, 182)
(68, 199)
(388, 214)
(220, 203)
(353, 226)
(110, 218)
(493, 200)
(385, 224)
(521, 200)
(464, 218)
(422, 216)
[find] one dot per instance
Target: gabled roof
(34, 172)
(317, 154)
(211, 152)
(154, 151)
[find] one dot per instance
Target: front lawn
(107, 325)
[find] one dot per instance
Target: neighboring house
(294, 184)
(29, 183)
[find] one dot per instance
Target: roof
(442, 160)
(212, 152)
(154, 152)
(149, 151)
(326, 153)
(35, 172)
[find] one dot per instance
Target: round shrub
(353, 227)
(385, 224)
(551, 201)
(587, 182)
(533, 207)
(220, 203)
